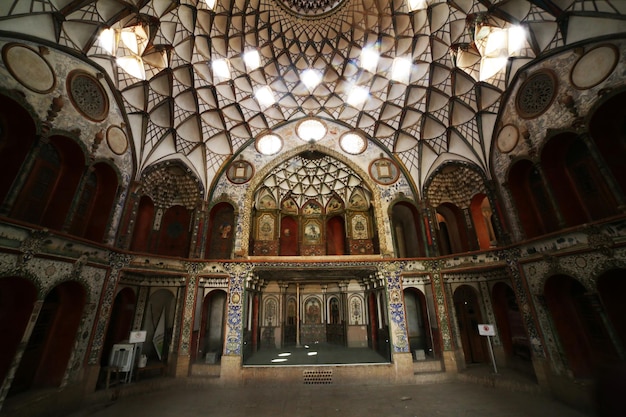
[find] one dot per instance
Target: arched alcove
(51, 342)
(575, 314)
(469, 316)
(407, 231)
(17, 137)
(17, 298)
(120, 322)
(221, 232)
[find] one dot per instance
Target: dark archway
(575, 313)
(468, 317)
(17, 137)
(212, 327)
(17, 298)
(221, 232)
(335, 236)
(174, 232)
(534, 209)
(50, 345)
(120, 323)
(418, 324)
(407, 231)
(289, 241)
(143, 225)
(510, 322)
(612, 290)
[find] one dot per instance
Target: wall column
(398, 337)
(523, 296)
(451, 355)
(183, 358)
(605, 171)
(550, 194)
(232, 359)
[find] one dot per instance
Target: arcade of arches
(108, 225)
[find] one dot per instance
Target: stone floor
(450, 399)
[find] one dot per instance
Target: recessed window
(311, 130)
(269, 144)
(352, 143)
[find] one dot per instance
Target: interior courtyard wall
(569, 109)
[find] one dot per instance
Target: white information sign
(137, 336)
(486, 330)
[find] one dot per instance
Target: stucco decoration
(594, 66)
(536, 94)
(117, 140)
(87, 95)
(29, 68)
(234, 330)
(392, 275)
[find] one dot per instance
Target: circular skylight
(352, 143)
(269, 144)
(311, 130)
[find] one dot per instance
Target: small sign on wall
(137, 336)
(486, 330)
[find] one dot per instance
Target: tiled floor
(440, 399)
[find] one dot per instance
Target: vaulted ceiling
(177, 107)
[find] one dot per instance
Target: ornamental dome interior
(309, 170)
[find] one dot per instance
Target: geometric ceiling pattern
(312, 176)
(178, 107)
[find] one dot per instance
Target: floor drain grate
(318, 377)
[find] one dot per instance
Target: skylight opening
(517, 39)
(311, 130)
(401, 69)
(210, 4)
(133, 65)
(369, 58)
(106, 40)
(221, 69)
(265, 96)
(252, 59)
(415, 5)
(269, 144)
(311, 78)
(357, 96)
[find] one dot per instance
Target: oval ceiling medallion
(311, 9)
(507, 138)
(311, 130)
(117, 141)
(240, 171)
(269, 144)
(353, 143)
(536, 94)
(594, 66)
(29, 68)
(384, 171)
(87, 95)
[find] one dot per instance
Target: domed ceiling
(192, 73)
